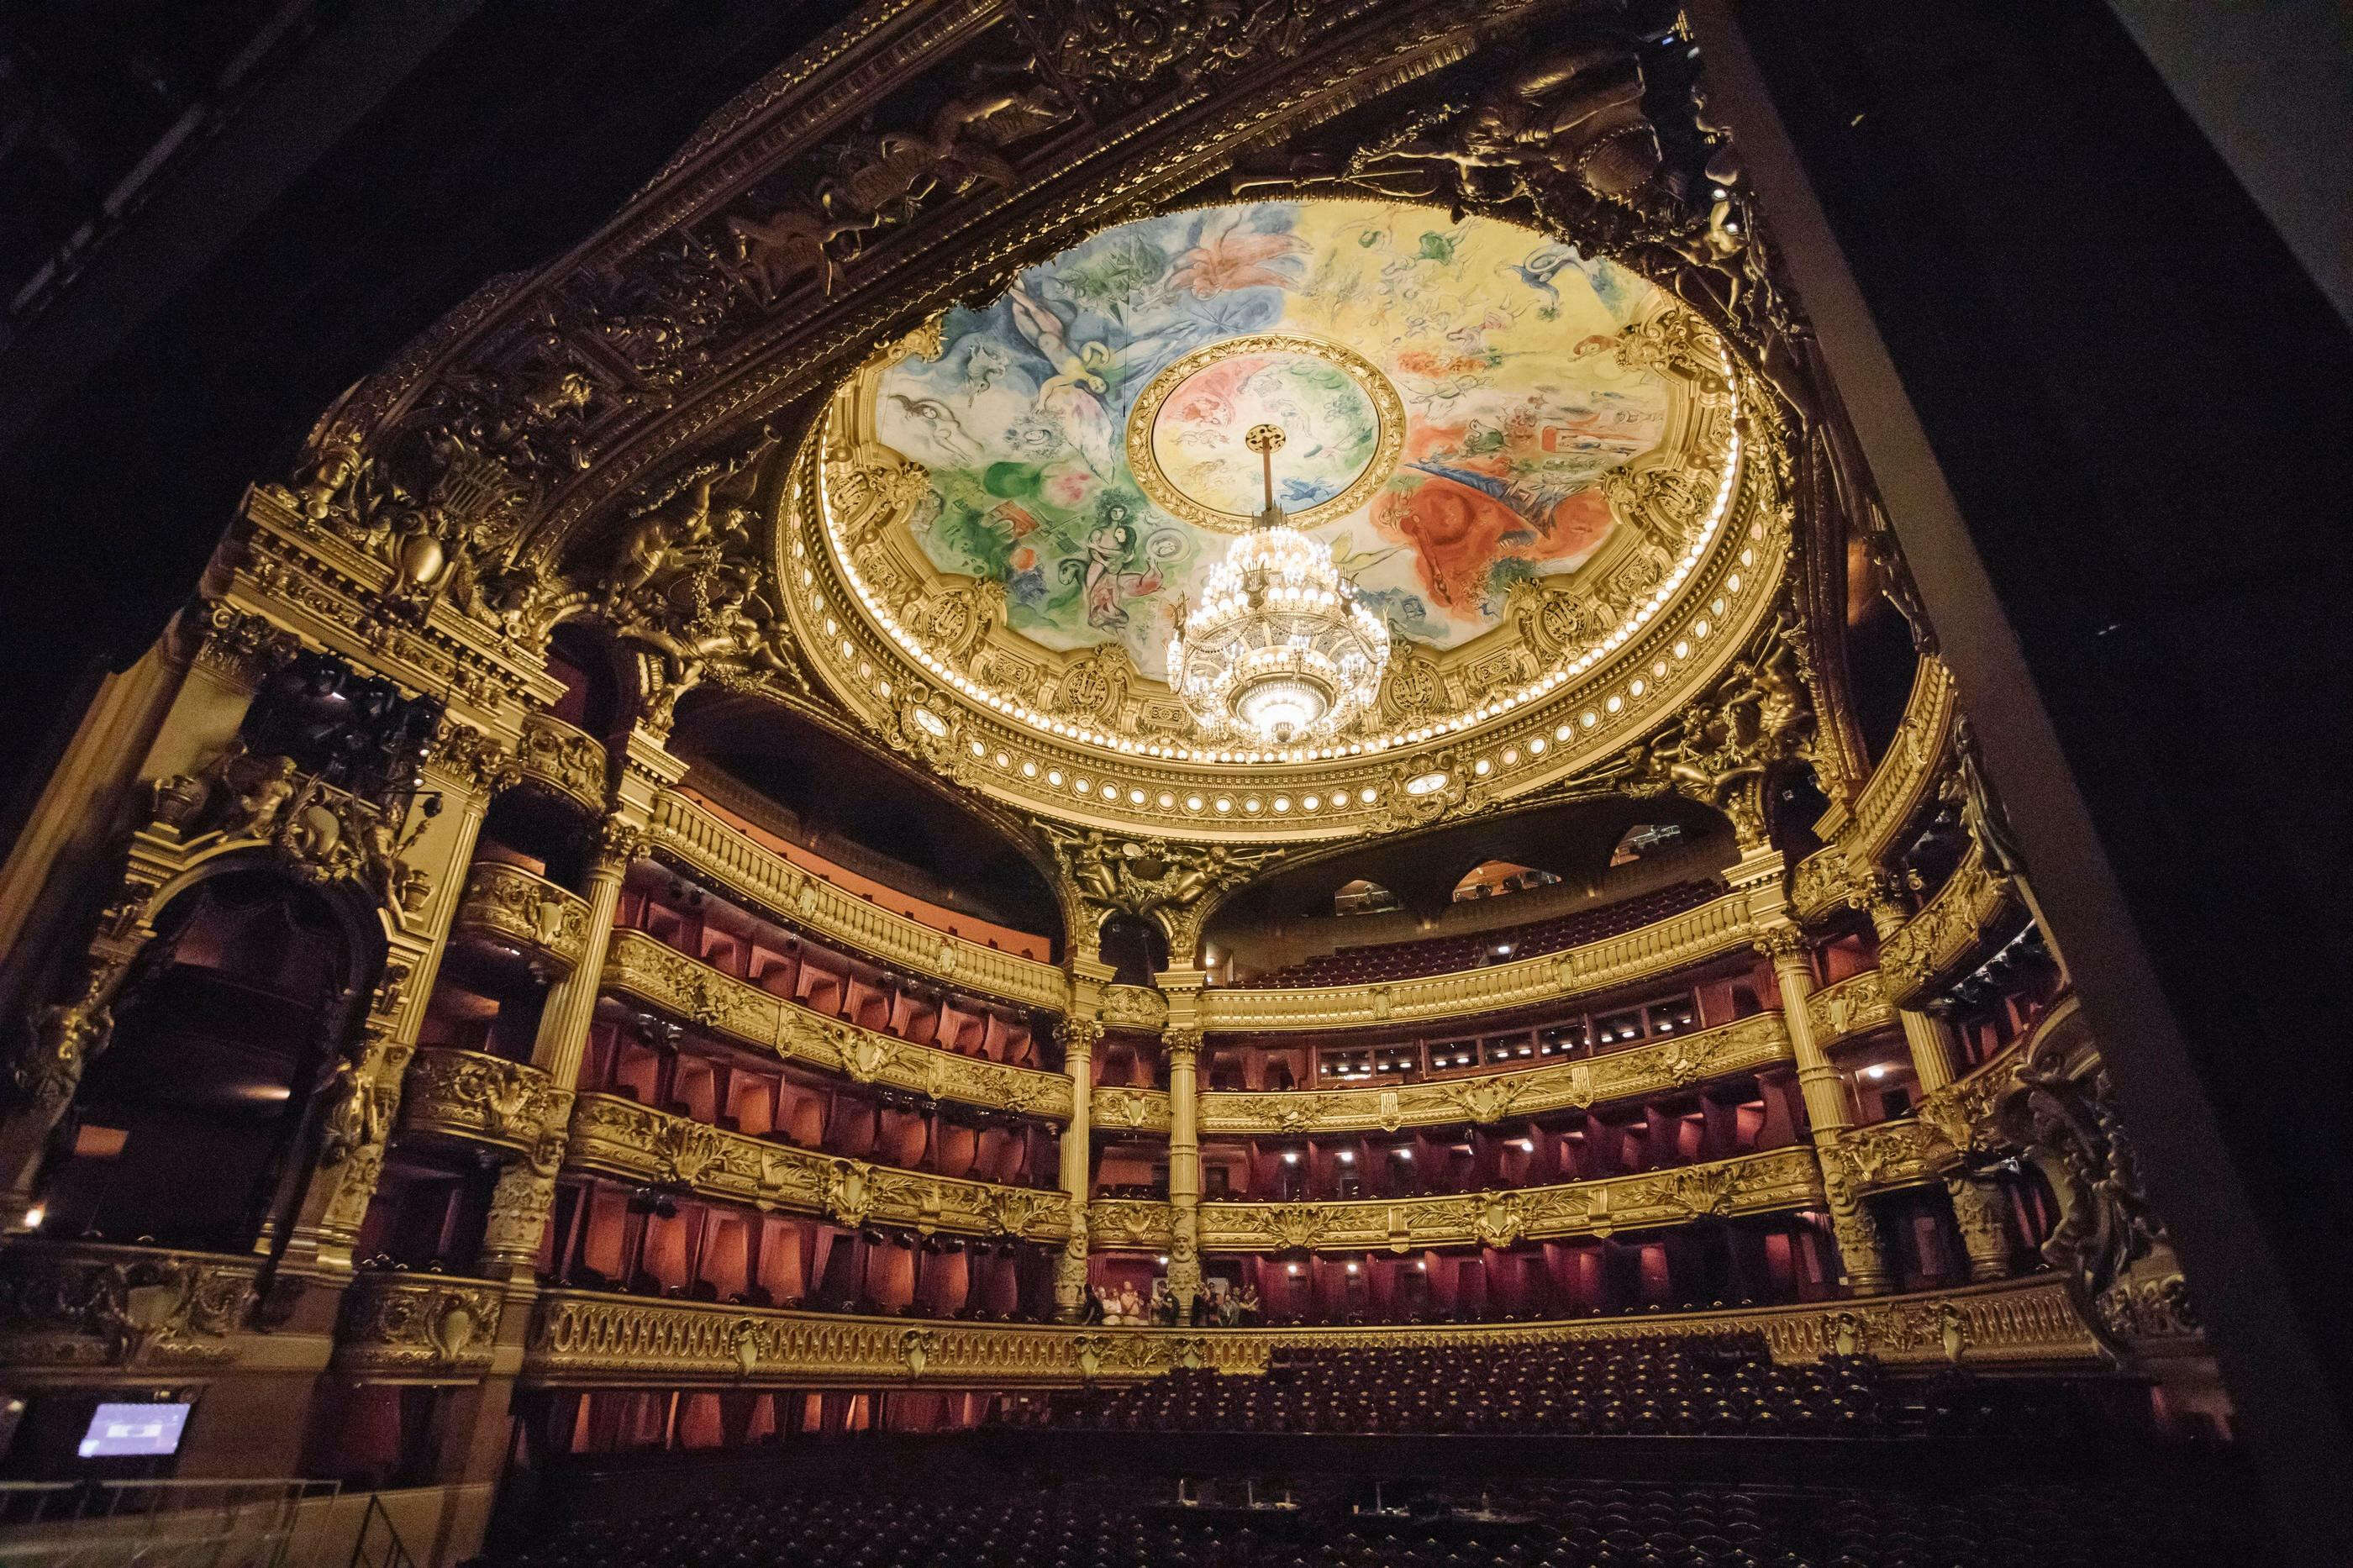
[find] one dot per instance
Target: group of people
(1217, 1307)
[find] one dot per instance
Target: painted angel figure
(1076, 395)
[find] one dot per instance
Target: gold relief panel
(508, 906)
(1688, 937)
(1894, 1154)
(1752, 1183)
(1950, 934)
(1745, 1045)
(641, 966)
(621, 1138)
(472, 1095)
(1820, 884)
(88, 1306)
(583, 1339)
(1115, 1108)
(1133, 1224)
(709, 847)
(418, 1327)
(1855, 1006)
(567, 761)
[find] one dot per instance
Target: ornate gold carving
(1950, 932)
(1134, 1007)
(1892, 1154)
(89, 1305)
(1721, 749)
(584, 1339)
(1752, 1183)
(638, 1143)
(1172, 884)
(509, 905)
(409, 1325)
(1854, 1005)
(1135, 1224)
(1120, 54)
(1116, 1108)
(564, 759)
(487, 1099)
(642, 967)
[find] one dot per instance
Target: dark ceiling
(379, 161)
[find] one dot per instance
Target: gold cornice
(638, 965)
(568, 761)
(701, 843)
(1115, 1109)
(1711, 929)
(1751, 1183)
(1130, 1224)
(1888, 1154)
(583, 1339)
(419, 1328)
(637, 1143)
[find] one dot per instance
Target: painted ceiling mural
(1446, 391)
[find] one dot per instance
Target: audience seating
(1448, 954)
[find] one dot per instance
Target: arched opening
(222, 1039)
(1364, 896)
(1498, 878)
(1136, 947)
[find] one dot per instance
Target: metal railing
(154, 1524)
(379, 1544)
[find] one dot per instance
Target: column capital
(1181, 1041)
(1079, 1037)
(1782, 942)
(617, 841)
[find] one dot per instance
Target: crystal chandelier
(1278, 652)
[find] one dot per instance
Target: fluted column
(526, 1189)
(1078, 1037)
(1860, 1250)
(1183, 1048)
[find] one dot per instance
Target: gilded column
(1826, 1112)
(1078, 1037)
(526, 1189)
(1183, 1048)
(1979, 1212)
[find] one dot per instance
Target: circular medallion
(1343, 423)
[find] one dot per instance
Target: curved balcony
(1131, 1224)
(75, 1306)
(1720, 926)
(480, 1097)
(1952, 934)
(621, 1138)
(561, 759)
(1820, 884)
(1752, 1183)
(641, 966)
(511, 909)
(1115, 1108)
(1743, 1044)
(419, 1328)
(1855, 1006)
(701, 841)
(1905, 779)
(583, 1340)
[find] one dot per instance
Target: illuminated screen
(117, 1430)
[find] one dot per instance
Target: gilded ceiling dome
(1526, 461)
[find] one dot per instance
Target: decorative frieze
(640, 966)
(1715, 928)
(414, 1326)
(487, 1099)
(621, 1138)
(1746, 1045)
(91, 1305)
(554, 755)
(1752, 1183)
(509, 906)
(703, 844)
(1855, 1006)
(581, 1339)
(1950, 934)
(1892, 1154)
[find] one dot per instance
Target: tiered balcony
(510, 909)
(481, 1098)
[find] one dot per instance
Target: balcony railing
(584, 1339)
(638, 965)
(90, 1306)
(1855, 1006)
(1751, 1183)
(560, 758)
(418, 1327)
(1718, 927)
(621, 1138)
(708, 847)
(508, 906)
(485, 1099)
(1952, 933)
(1743, 1044)
(1906, 776)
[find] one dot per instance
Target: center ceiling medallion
(1526, 461)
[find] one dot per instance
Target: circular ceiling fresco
(1526, 460)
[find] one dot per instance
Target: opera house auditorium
(1196, 782)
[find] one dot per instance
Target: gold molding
(1855, 1006)
(637, 1143)
(419, 1328)
(482, 1098)
(1749, 1184)
(1906, 776)
(1889, 1155)
(1717, 927)
(1741, 1045)
(1130, 1224)
(510, 907)
(642, 966)
(584, 1339)
(1116, 1108)
(569, 762)
(83, 1307)
(706, 846)
(1950, 932)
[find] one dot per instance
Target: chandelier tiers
(1278, 652)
